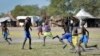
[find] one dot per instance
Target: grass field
(19, 32)
(51, 48)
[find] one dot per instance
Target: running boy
(75, 40)
(40, 31)
(5, 32)
(85, 36)
(47, 31)
(67, 34)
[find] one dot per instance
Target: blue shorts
(84, 39)
(5, 35)
(27, 34)
(67, 36)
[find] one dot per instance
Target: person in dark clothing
(27, 26)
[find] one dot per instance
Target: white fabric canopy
(83, 14)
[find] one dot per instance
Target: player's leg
(9, 38)
(44, 38)
(86, 46)
(64, 46)
(24, 43)
(41, 32)
(7, 41)
(26, 36)
(56, 37)
(71, 44)
(86, 41)
(65, 36)
(6, 36)
(60, 39)
(39, 35)
(78, 50)
(69, 38)
(30, 43)
(29, 37)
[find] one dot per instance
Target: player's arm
(30, 28)
(59, 20)
(87, 32)
(25, 23)
(58, 24)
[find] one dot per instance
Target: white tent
(83, 14)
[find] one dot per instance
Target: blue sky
(7, 5)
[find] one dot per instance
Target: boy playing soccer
(67, 34)
(27, 26)
(40, 31)
(85, 36)
(47, 31)
(5, 32)
(75, 41)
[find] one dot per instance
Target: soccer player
(85, 36)
(75, 40)
(27, 26)
(67, 34)
(47, 31)
(40, 31)
(5, 32)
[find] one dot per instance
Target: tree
(2, 14)
(60, 7)
(25, 10)
(91, 6)
(72, 6)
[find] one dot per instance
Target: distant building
(8, 21)
(91, 21)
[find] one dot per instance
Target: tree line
(58, 7)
